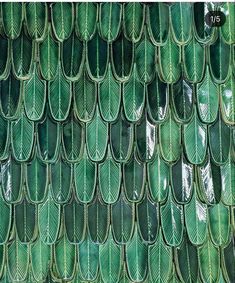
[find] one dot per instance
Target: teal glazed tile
(117, 142)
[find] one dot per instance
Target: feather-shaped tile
(39, 11)
(160, 258)
(62, 16)
(84, 28)
(12, 18)
(25, 221)
(40, 255)
(133, 20)
(65, 258)
(110, 20)
(85, 174)
(35, 94)
(158, 22)
(75, 220)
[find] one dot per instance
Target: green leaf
(169, 61)
(61, 180)
(228, 182)
(6, 218)
(209, 262)
(182, 180)
(209, 180)
(136, 255)
(48, 132)
(110, 20)
(25, 218)
(36, 18)
(49, 219)
(145, 59)
(73, 139)
(148, 219)
(85, 174)
(227, 91)
(134, 178)
(86, 17)
(122, 57)
(207, 98)
(172, 221)
(49, 56)
(109, 179)
(194, 61)
(228, 28)
(122, 219)
(18, 260)
(12, 18)
(203, 32)
(88, 259)
(228, 261)
(97, 62)
(85, 92)
(158, 178)
(170, 139)
(121, 138)
(5, 57)
(182, 94)
(219, 141)
(133, 97)
(133, 21)
(10, 97)
(187, 261)
(40, 256)
(11, 180)
(65, 258)
(75, 221)
(109, 96)
(110, 260)
(98, 221)
(219, 219)
(158, 22)
(22, 56)
(195, 214)
(160, 258)
(22, 138)
(4, 138)
(181, 17)
(36, 179)
(195, 140)
(34, 96)
(62, 19)
(59, 97)
(157, 99)
(73, 57)
(96, 137)
(219, 60)
(145, 138)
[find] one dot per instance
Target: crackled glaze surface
(117, 143)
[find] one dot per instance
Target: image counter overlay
(117, 142)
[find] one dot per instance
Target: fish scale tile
(117, 143)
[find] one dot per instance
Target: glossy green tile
(117, 142)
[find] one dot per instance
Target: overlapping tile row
(117, 143)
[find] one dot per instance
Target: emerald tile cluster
(117, 143)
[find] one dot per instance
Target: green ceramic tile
(117, 142)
